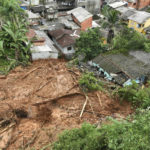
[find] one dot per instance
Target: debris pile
(43, 99)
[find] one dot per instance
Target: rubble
(43, 101)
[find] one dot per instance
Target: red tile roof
(65, 37)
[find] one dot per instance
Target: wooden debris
(99, 99)
(73, 72)
(31, 72)
(72, 88)
(3, 77)
(57, 98)
(5, 129)
(84, 105)
(44, 85)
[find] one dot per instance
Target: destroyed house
(65, 40)
(82, 18)
(122, 67)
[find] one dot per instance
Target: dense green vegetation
(131, 134)
(89, 83)
(89, 44)
(129, 39)
(14, 46)
(138, 96)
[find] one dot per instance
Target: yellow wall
(134, 25)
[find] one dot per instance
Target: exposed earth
(40, 101)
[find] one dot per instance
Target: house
(65, 40)
(92, 6)
(126, 12)
(139, 21)
(43, 46)
(118, 4)
(82, 18)
(138, 4)
(66, 4)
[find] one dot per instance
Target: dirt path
(26, 125)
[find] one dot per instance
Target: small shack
(82, 17)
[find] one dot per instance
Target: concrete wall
(44, 55)
(93, 6)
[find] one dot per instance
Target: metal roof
(32, 15)
(117, 4)
(126, 11)
(139, 17)
(80, 14)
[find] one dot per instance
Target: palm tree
(111, 21)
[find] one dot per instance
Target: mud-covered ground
(40, 101)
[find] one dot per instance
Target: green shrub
(89, 83)
(89, 44)
(147, 46)
(131, 134)
(129, 39)
(139, 97)
(85, 138)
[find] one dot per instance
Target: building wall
(139, 4)
(85, 24)
(44, 55)
(135, 25)
(93, 6)
(68, 54)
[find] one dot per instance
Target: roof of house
(114, 63)
(139, 17)
(32, 15)
(80, 14)
(117, 4)
(43, 44)
(65, 37)
(126, 11)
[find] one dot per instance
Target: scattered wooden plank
(57, 98)
(44, 85)
(100, 102)
(30, 72)
(84, 105)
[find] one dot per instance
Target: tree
(89, 44)
(14, 46)
(111, 22)
(11, 11)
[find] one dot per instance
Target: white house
(65, 40)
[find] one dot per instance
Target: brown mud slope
(40, 101)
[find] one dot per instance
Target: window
(69, 48)
(138, 25)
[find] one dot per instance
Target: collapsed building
(122, 68)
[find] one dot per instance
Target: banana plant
(1, 49)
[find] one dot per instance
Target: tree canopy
(89, 44)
